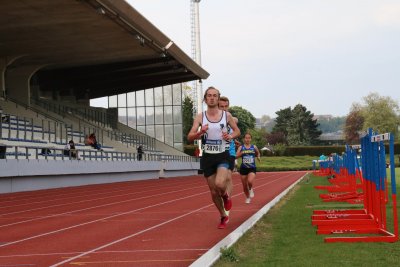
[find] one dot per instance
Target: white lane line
(142, 231)
(101, 219)
(129, 236)
(86, 194)
(89, 200)
(106, 252)
(93, 207)
(212, 255)
(70, 212)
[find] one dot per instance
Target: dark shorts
(210, 162)
(232, 162)
(245, 171)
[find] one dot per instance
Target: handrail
(25, 152)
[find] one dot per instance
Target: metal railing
(36, 152)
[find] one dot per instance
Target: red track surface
(167, 222)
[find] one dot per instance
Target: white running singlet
(212, 139)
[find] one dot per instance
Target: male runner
(223, 104)
(215, 139)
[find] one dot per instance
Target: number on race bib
(248, 160)
(212, 148)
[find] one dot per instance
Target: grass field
(285, 163)
(285, 236)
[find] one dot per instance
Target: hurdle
(347, 183)
(372, 218)
(325, 167)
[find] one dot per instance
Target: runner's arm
(235, 129)
(194, 132)
(258, 154)
(239, 152)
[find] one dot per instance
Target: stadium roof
(95, 47)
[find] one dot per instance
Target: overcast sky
(266, 55)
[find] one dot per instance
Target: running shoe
(224, 221)
(227, 202)
(226, 212)
(248, 200)
(251, 191)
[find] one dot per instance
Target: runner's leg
(245, 185)
(250, 179)
(216, 194)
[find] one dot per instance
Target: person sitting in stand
(92, 141)
(70, 150)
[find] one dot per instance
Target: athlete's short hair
(224, 98)
(209, 88)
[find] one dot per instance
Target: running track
(166, 222)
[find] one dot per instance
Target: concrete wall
(27, 175)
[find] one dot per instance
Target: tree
(353, 125)
(187, 117)
(258, 137)
(246, 119)
(380, 113)
(282, 121)
(302, 129)
(276, 138)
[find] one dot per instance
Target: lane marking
(108, 204)
(83, 263)
(100, 219)
(130, 236)
(108, 217)
(213, 254)
(153, 188)
(106, 252)
(144, 230)
(93, 207)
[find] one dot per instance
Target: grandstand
(57, 55)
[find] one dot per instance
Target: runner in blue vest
(223, 104)
(248, 153)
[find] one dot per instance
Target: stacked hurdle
(325, 167)
(371, 219)
(346, 180)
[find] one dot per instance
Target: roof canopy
(91, 47)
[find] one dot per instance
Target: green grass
(285, 163)
(285, 236)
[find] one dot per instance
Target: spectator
(92, 141)
(70, 150)
(140, 153)
(87, 141)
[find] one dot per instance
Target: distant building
(267, 125)
(336, 138)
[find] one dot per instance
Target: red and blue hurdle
(371, 219)
(325, 167)
(347, 182)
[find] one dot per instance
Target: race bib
(248, 160)
(214, 146)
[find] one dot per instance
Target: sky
(267, 55)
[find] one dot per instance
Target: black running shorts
(211, 162)
(245, 171)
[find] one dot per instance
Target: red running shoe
(224, 221)
(227, 202)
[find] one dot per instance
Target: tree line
(297, 126)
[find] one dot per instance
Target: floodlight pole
(197, 90)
